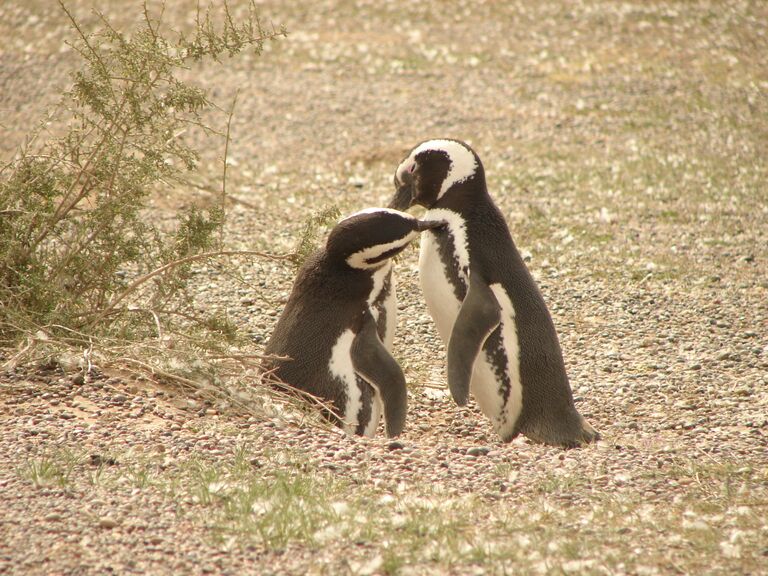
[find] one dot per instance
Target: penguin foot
(571, 432)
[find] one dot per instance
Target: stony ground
(626, 144)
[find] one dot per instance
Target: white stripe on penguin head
(360, 258)
(378, 211)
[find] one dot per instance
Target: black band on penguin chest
(497, 356)
(446, 250)
(379, 304)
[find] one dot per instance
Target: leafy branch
(75, 243)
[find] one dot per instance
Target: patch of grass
(45, 473)
(140, 475)
(276, 510)
(563, 523)
(244, 501)
(51, 470)
(721, 482)
(558, 484)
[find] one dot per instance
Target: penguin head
(433, 170)
(366, 239)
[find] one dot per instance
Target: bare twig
(226, 164)
(194, 258)
(244, 357)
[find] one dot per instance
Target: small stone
(99, 460)
(78, 379)
(743, 390)
(53, 517)
(477, 451)
(357, 181)
(685, 405)
(724, 354)
(107, 522)
(622, 478)
(395, 446)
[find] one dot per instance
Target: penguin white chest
(435, 275)
(342, 369)
(384, 279)
(438, 271)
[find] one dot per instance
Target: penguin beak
(403, 198)
(422, 225)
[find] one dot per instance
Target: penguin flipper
(479, 316)
(376, 366)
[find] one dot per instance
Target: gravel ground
(626, 145)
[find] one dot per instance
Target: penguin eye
(385, 255)
(412, 168)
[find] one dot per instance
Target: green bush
(77, 255)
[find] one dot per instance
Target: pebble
(396, 445)
(724, 355)
(107, 522)
(99, 460)
(478, 451)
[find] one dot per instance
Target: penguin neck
(340, 279)
(463, 197)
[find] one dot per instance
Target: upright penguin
(328, 340)
(501, 340)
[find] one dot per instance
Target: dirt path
(625, 143)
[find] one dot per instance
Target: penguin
(501, 341)
(331, 338)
